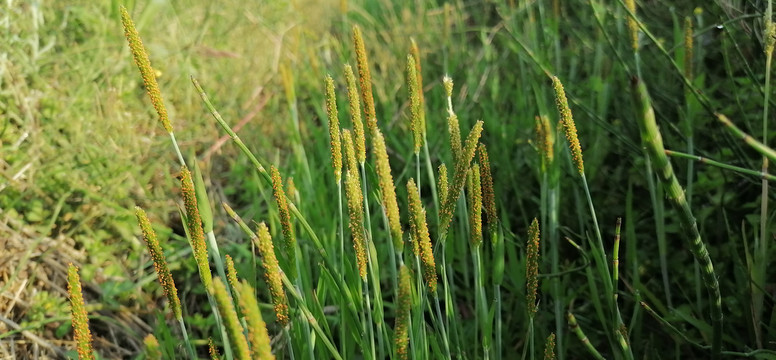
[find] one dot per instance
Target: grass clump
(455, 298)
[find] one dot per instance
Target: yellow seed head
(80, 320)
(146, 71)
(688, 43)
(350, 156)
(194, 225)
(334, 132)
(232, 323)
(355, 115)
(416, 108)
(214, 355)
(633, 26)
(442, 184)
(474, 190)
(258, 337)
(532, 267)
(388, 190)
(455, 136)
(160, 263)
(488, 194)
(285, 218)
(356, 211)
(152, 351)
(272, 274)
(419, 230)
(401, 329)
(545, 138)
(459, 178)
(231, 272)
(568, 124)
(365, 80)
(416, 54)
(549, 347)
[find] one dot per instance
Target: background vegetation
(81, 147)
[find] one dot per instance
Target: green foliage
(84, 138)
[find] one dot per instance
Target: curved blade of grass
(653, 142)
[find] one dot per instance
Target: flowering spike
(474, 190)
(334, 132)
(568, 124)
(488, 194)
(388, 190)
(416, 109)
(258, 336)
(146, 71)
(355, 115)
(160, 263)
(285, 219)
(365, 80)
(420, 236)
(194, 224)
(272, 274)
(232, 323)
(401, 329)
(532, 267)
(80, 320)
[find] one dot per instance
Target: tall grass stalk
(163, 274)
(532, 279)
(274, 277)
(316, 242)
(474, 192)
(143, 63)
(577, 330)
(336, 161)
(599, 253)
(761, 258)
(550, 189)
(653, 142)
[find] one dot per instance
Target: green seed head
(633, 26)
(232, 323)
(442, 183)
(401, 329)
(474, 192)
(334, 132)
(355, 115)
(365, 80)
(416, 109)
(356, 211)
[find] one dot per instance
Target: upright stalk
(653, 142)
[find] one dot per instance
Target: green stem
(653, 142)
(327, 260)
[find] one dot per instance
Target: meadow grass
(428, 283)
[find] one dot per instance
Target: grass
(600, 291)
